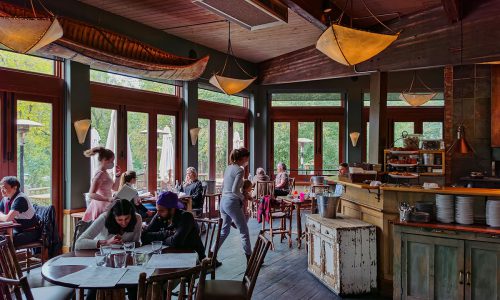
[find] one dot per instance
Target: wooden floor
(284, 274)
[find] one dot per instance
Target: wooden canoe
(109, 51)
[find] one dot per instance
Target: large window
(28, 63)
(137, 147)
(204, 149)
(281, 143)
(399, 129)
(166, 155)
(220, 97)
(221, 148)
(331, 146)
(393, 99)
(103, 133)
(306, 99)
(306, 148)
(131, 82)
(238, 135)
(432, 130)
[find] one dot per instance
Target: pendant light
(460, 145)
(230, 85)
(350, 46)
(26, 34)
(417, 99)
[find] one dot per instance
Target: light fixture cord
(375, 17)
(231, 53)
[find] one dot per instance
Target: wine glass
(100, 259)
(156, 247)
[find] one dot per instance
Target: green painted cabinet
(435, 264)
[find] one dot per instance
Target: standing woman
(102, 187)
(232, 199)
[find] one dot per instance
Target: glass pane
(221, 155)
(331, 147)
(306, 148)
(306, 99)
(238, 135)
(219, 97)
(281, 143)
(394, 100)
(204, 149)
(166, 141)
(399, 127)
(34, 150)
(137, 147)
(28, 63)
(103, 133)
(367, 141)
(433, 130)
(131, 82)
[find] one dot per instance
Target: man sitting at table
(174, 226)
(16, 207)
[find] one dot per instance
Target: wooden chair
(80, 228)
(199, 212)
(291, 184)
(234, 290)
(264, 188)
(153, 288)
(25, 251)
(13, 285)
(270, 214)
(211, 238)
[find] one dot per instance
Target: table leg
(299, 227)
(290, 227)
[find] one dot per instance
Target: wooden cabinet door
(482, 280)
(431, 268)
(314, 253)
(331, 265)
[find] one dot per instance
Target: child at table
(129, 179)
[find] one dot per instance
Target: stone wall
(468, 101)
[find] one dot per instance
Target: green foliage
(219, 97)
(331, 146)
(203, 149)
(281, 143)
(306, 99)
(393, 100)
(221, 148)
(28, 63)
(131, 82)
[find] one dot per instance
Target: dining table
(54, 273)
(7, 228)
(298, 205)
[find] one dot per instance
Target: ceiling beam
(453, 9)
(427, 40)
(310, 10)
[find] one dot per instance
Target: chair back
(12, 284)
(11, 289)
(291, 183)
(153, 288)
(264, 188)
(80, 228)
(255, 263)
(210, 237)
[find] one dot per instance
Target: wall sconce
(194, 132)
(354, 138)
(81, 129)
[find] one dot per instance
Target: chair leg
(212, 275)
(271, 233)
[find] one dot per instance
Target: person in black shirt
(193, 187)
(16, 207)
(174, 226)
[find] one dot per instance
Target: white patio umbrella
(237, 141)
(111, 141)
(302, 142)
(95, 141)
(166, 166)
(130, 160)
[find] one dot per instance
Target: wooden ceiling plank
(453, 9)
(310, 10)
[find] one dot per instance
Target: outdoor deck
(284, 273)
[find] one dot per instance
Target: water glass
(120, 260)
(129, 247)
(156, 247)
(106, 250)
(100, 259)
(140, 258)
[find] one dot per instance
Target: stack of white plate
(493, 212)
(445, 208)
(464, 210)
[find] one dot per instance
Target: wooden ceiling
(177, 17)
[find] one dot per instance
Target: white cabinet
(342, 253)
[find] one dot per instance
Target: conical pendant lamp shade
(351, 46)
(415, 99)
(25, 35)
(230, 85)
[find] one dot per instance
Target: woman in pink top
(101, 189)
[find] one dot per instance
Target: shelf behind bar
(477, 228)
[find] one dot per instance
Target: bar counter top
(418, 189)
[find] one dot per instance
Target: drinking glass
(100, 259)
(120, 260)
(156, 247)
(140, 258)
(106, 250)
(129, 247)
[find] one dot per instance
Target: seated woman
(193, 187)
(260, 175)
(174, 226)
(118, 225)
(281, 181)
(129, 179)
(16, 207)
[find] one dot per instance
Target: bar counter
(379, 206)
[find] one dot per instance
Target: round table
(53, 273)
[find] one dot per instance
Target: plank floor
(284, 274)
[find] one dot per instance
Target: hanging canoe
(416, 99)
(350, 46)
(229, 85)
(109, 51)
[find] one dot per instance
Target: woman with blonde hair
(102, 187)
